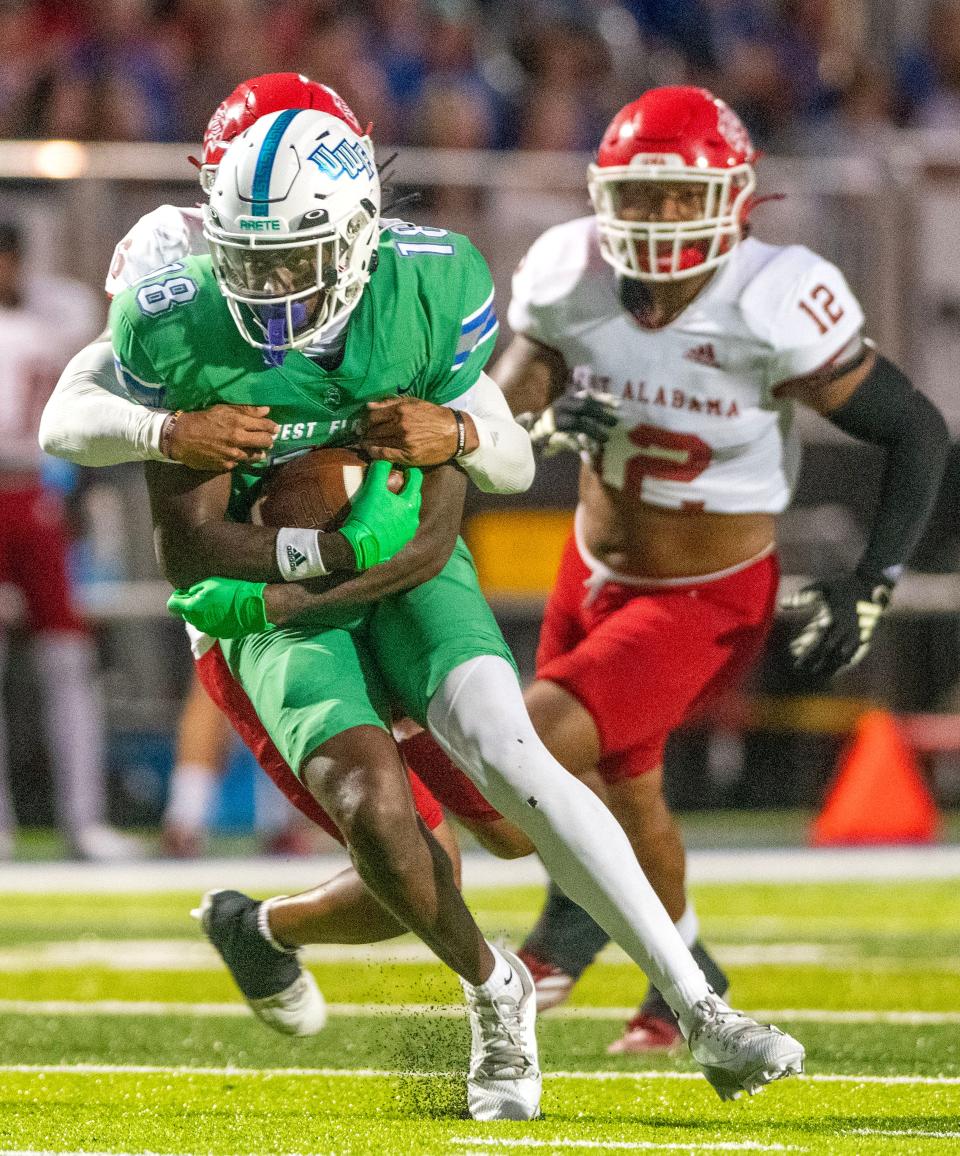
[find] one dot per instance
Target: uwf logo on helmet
(344, 158)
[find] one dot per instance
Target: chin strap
(274, 318)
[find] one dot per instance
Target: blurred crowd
(807, 75)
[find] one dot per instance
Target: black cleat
(279, 991)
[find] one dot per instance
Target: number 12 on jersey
(822, 308)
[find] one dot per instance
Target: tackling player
(300, 265)
(90, 420)
(688, 344)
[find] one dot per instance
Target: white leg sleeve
(66, 664)
(479, 717)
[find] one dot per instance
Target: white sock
(66, 663)
(479, 718)
(263, 926)
(501, 976)
(190, 802)
(688, 925)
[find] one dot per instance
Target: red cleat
(646, 1034)
(553, 986)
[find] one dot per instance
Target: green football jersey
(424, 326)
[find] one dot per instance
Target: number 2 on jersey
(661, 453)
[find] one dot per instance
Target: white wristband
(298, 554)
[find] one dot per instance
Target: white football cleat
(279, 991)
(298, 1010)
(98, 843)
(504, 1082)
(736, 1053)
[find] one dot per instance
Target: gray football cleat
(736, 1053)
(279, 991)
(504, 1082)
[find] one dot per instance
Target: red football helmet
(272, 92)
(683, 145)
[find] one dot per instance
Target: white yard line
(116, 1007)
(763, 865)
(197, 955)
(380, 1073)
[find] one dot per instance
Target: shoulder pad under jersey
(552, 268)
(167, 234)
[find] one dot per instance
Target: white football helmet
(293, 226)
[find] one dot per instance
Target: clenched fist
(221, 437)
(412, 432)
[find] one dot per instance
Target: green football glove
(380, 523)
(223, 607)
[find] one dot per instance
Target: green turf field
(120, 1033)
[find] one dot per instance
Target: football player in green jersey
(306, 306)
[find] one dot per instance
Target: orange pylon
(878, 794)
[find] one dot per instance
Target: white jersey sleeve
(802, 306)
(503, 461)
(159, 238)
(87, 422)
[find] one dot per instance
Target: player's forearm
(887, 411)
(194, 540)
(87, 423)
(238, 550)
(422, 559)
(299, 603)
(188, 554)
(530, 375)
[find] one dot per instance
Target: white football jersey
(159, 238)
(699, 426)
(56, 317)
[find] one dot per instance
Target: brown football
(314, 489)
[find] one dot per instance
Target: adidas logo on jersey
(703, 355)
(295, 559)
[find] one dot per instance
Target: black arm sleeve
(887, 411)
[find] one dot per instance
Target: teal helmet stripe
(268, 153)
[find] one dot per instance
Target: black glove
(586, 413)
(846, 611)
(575, 421)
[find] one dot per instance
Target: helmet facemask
(284, 291)
(639, 244)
